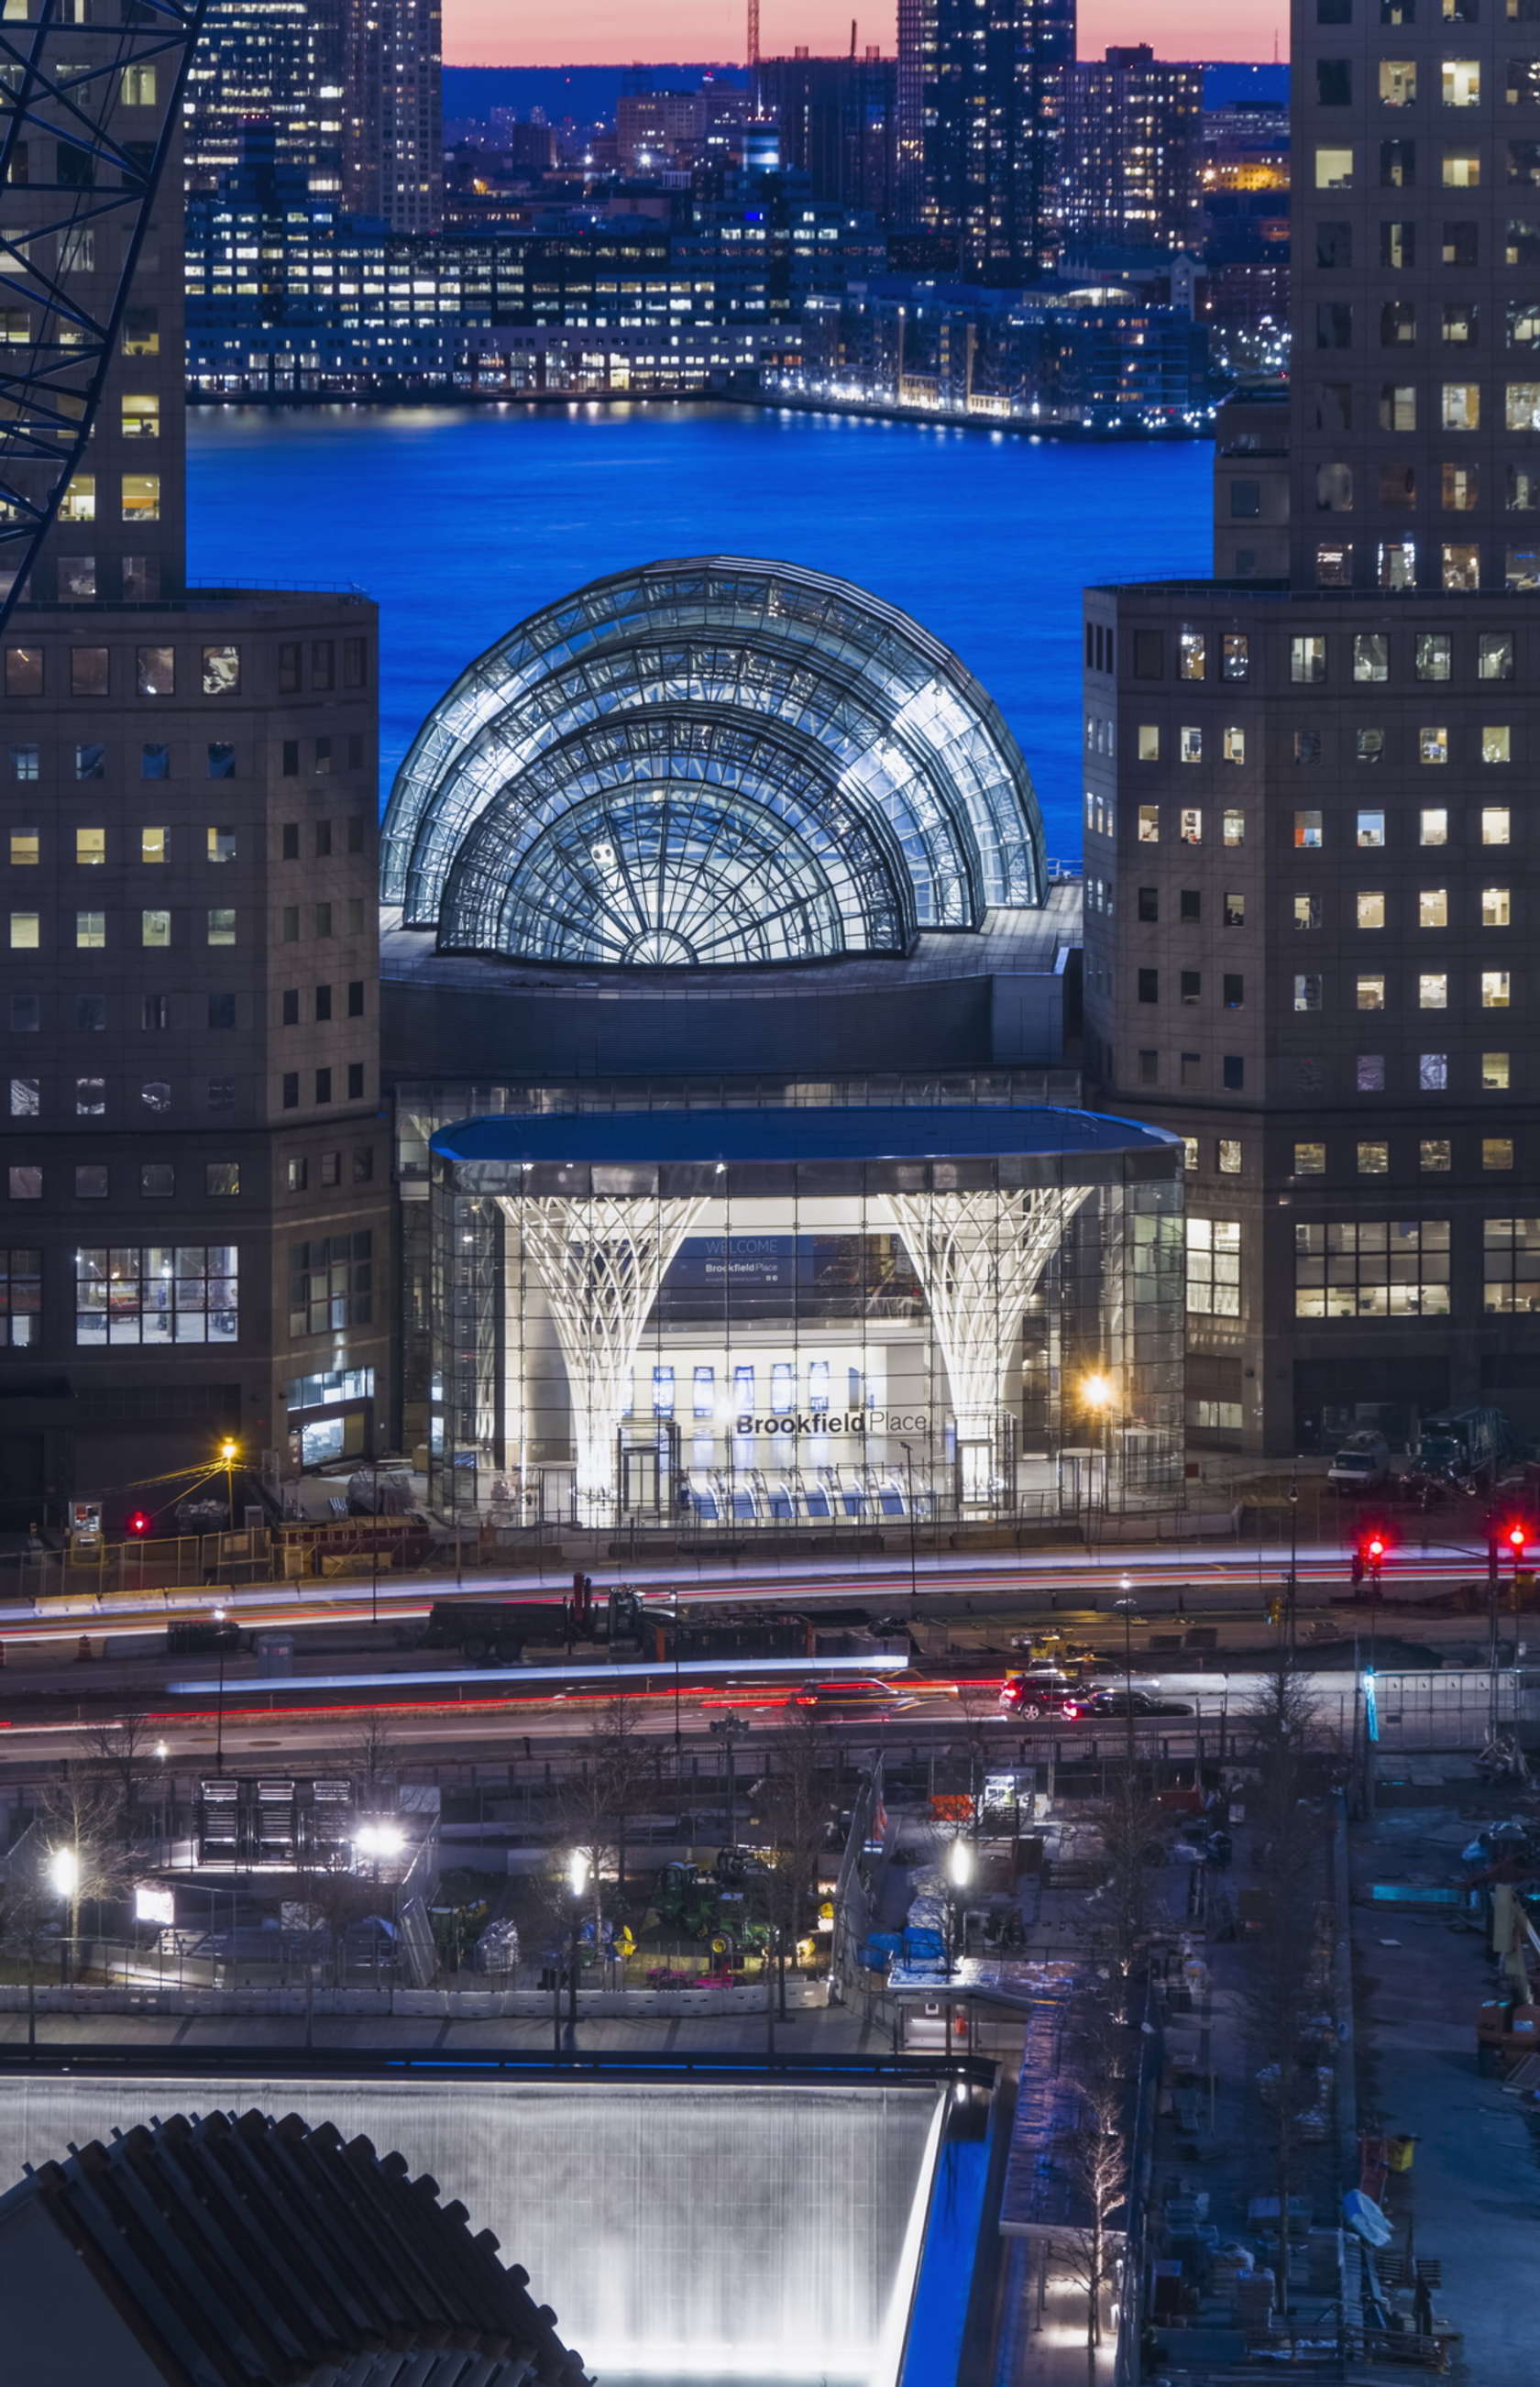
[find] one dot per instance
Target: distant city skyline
(525, 33)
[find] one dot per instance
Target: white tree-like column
(979, 1258)
(601, 1263)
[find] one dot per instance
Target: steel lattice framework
(713, 761)
(88, 116)
(600, 1265)
(979, 1258)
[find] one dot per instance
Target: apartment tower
(982, 91)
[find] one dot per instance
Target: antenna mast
(753, 32)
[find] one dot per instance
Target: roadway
(1085, 1579)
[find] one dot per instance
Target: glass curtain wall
(806, 1344)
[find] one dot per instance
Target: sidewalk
(1473, 2198)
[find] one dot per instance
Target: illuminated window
(1373, 1160)
(1510, 1266)
(1496, 1075)
(1496, 1152)
(1433, 991)
(1214, 1267)
(1494, 990)
(1372, 1269)
(1432, 908)
(1310, 1160)
(1433, 1153)
(160, 1295)
(1370, 910)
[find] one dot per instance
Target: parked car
(1139, 1703)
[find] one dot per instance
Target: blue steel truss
(65, 113)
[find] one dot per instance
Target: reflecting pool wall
(807, 1343)
(718, 2233)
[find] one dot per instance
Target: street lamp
(729, 1730)
(914, 1529)
(579, 1868)
(219, 1704)
(64, 1874)
(1098, 1397)
(1126, 1607)
(229, 1453)
(1293, 1560)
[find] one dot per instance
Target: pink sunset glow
(529, 33)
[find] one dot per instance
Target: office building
(780, 1208)
(982, 94)
(1133, 155)
(195, 1178)
(837, 121)
(278, 284)
(654, 129)
(1309, 858)
(275, 63)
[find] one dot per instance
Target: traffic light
(138, 1524)
(1368, 1554)
(1515, 1542)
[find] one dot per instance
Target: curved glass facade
(752, 1340)
(711, 761)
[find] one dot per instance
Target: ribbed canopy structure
(712, 762)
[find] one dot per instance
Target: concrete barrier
(443, 2006)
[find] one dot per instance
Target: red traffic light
(139, 1522)
(1375, 1547)
(1516, 1537)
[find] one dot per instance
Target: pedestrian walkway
(1471, 2200)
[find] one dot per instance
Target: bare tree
(1098, 2164)
(374, 1758)
(1134, 1832)
(29, 1913)
(335, 1898)
(625, 1769)
(1279, 1990)
(122, 1752)
(85, 1826)
(793, 1799)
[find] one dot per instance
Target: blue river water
(461, 522)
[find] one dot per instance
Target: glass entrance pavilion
(814, 1317)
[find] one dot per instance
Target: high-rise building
(1310, 861)
(982, 91)
(1134, 152)
(277, 63)
(195, 1185)
(836, 119)
(348, 92)
(393, 128)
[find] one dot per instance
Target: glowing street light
(64, 1871)
(379, 1840)
(959, 1864)
(578, 1870)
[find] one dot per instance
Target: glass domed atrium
(711, 763)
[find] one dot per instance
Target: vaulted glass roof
(711, 761)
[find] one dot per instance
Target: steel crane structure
(88, 116)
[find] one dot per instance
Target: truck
(495, 1631)
(1362, 1464)
(1464, 1443)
